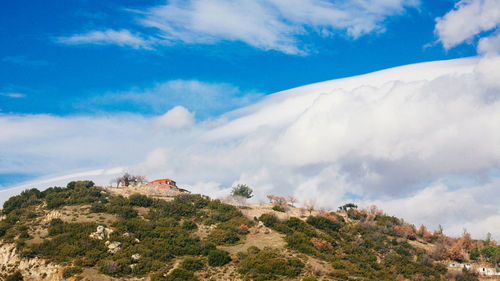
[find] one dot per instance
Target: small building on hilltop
(165, 185)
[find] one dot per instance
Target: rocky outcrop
(101, 233)
(113, 247)
(31, 269)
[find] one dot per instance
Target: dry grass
(260, 239)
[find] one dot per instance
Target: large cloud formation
(421, 141)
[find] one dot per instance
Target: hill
(86, 232)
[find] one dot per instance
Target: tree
(424, 233)
(466, 241)
(348, 206)
(292, 200)
(242, 190)
(127, 179)
(488, 239)
(456, 252)
(310, 205)
(440, 229)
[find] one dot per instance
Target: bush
(22, 201)
(279, 208)
(70, 271)
(218, 258)
(80, 184)
(192, 264)
(268, 265)
(221, 237)
(189, 225)
(16, 276)
(180, 274)
(110, 267)
(269, 220)
(324, 223)
(140, 200)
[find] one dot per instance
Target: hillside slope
(84, 232)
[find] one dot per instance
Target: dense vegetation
(164, 233)
(150, 235)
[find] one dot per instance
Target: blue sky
(40, 73)
(186, 89)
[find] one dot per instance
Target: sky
(205, 92)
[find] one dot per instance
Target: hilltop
(86, 232)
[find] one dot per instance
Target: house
(479, 269)
(165, 184)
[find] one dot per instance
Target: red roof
(162, 180)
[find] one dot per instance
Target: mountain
(86, 232)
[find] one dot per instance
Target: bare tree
(141, 179)
(127, 179)
(310, 205)
(292, 200)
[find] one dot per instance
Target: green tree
(242, 190)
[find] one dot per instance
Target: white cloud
(268, 25)
(402, 137)
(468, 19)
(471, 207)
(176, 118)
(489, 45)
(121, 37)
(14, 95)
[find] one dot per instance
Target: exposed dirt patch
(428, 247)
(260, 239)
(256, 210)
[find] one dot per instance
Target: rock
(136, 256)
(101, 233)
(31, 269)
(114, 247)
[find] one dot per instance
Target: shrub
(180, 274)
(25, 199)
(268, 265)
(218, 258)
(80, 184)
(324, 223)
(140, 200)
(192, 264)
(279, 208)
(16, 276)
(221, 236)
(189, 225)
(110, 267)
(70, 271)
(269, 220)
(300, 242)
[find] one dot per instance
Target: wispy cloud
(12, 95)
(469, 19)
(394, 137)
(269, 25)
(24, 61)
(123, 38)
